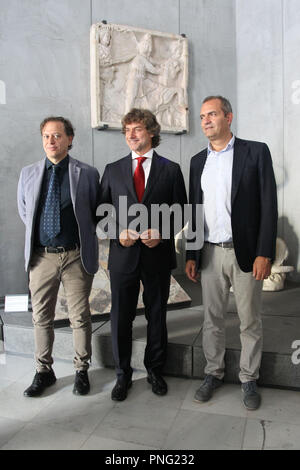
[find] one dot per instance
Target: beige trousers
(47, 270)
(220, 270)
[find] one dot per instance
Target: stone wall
(247, 51)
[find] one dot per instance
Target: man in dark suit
(57, 199)
(234, 180)
(141, 253)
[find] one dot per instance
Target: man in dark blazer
(234, 180)
(57, 200)
(141, 253)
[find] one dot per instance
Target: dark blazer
(165, 185)
(253, 202)
(84, 189)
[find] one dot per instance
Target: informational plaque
(16, 303)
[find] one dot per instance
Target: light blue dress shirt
(216, 182)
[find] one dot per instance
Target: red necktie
(139, 178)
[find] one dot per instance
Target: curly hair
(148, 119)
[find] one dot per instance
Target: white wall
(268, 97)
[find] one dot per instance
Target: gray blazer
(85, 191)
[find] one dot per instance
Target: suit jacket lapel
(201, 163)
(37, 181)
(74, 174)
(155, 172)
(239, 158)
(127, 177)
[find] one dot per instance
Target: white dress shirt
(146, 164)
(216, 182)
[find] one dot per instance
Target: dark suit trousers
(125, 289)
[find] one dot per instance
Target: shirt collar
(147, 155)
(62, 164)
(229, 146)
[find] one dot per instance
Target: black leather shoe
(119, 392)
(41, 381)
(81, 384)
(159, 385)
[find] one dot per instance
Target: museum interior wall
(249, 53)
(268, 100)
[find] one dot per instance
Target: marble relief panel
(134, 67)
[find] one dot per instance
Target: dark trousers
(125, 289)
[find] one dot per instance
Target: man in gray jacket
(57, 200)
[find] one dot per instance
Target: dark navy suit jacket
(165, 185)
(253, 202)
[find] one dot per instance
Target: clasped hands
(151, 237)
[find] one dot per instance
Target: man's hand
(261, 268)
(128, 237)
(190, 270)
(151, 238)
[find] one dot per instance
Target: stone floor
(60, 420)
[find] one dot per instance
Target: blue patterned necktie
(52, 205)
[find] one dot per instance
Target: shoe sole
(249, 408)
(76, 392)
(197, 400)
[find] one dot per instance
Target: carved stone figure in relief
(111, 95)
(104, 37)
(139, 85)
(138, 68)
(171, 101)
(107, 76)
